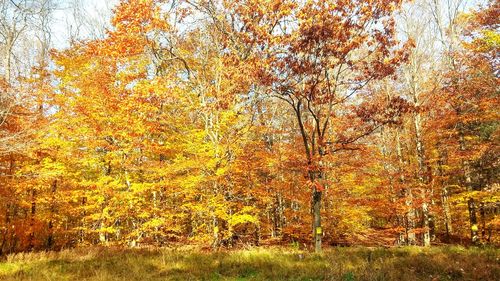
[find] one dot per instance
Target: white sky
(89, 19)
(92, 17)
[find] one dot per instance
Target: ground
(347, 263)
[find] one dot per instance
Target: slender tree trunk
(422, 178)
(473, 221)
(447, 213)
(50, 240)
(420, 147)
(31, 243)
(257, 235)
(7, 229)
(9, 44)
(426, 234)
(155, 206)
(483, 220)
(410, 213)
(394, 195)
(216, 230)
(410, 218)
(281, 213)
(318, 231)
(468, 184)
(103, 238)
(444, 195)
(317, 198)
(270, 218)
(5, 232)
(465, 162)
(83, 225)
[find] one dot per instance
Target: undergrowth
(355, 263)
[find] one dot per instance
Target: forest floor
(346, 263)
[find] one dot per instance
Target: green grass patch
(349, 264)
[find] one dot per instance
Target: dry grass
(411, 263)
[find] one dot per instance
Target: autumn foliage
(226, 123)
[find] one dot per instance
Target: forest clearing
(283, 263)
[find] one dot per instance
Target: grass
(356, 263)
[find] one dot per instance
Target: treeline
(225, 123)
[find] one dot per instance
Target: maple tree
(328, 55)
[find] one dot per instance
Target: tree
(315, 57)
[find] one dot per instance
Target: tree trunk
(407, 194)
(473, 221)
(425, 224)
(281, 213)
(216, 230)
(9, 44)
(483, 220)
(31, 243)
(83, 214)
(447, 213)
(410, 217)
(309, 149)
(465, 162)
(5, 232)
(155, 206)
(317, 230)
(445, 194)
(103, 237)
(422, 178)
(393, 194)
(50, 240)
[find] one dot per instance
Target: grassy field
(412, 263)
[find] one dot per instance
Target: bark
(83, 214)
(445, 195)
(316, 201)
(465, 161)
(318, 232)
(420, 148)
(426, 234)
(103, 237)
(410, 217)
(31, 243)
(473, 221)
(257, 235)
(407, 194)
(394, 195)
(447, 213)
(316, 194)
(277, 216)
(281, 213)
(422, 178)
(216, 225)
(9, 44)
(483, 220)
(216, 239)
(50, 239)
(155, 206)
(7, 228)
(271, 218)
(5, 232)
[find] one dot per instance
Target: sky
(89, 18)
(97, 14)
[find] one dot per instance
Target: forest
(228, 124)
